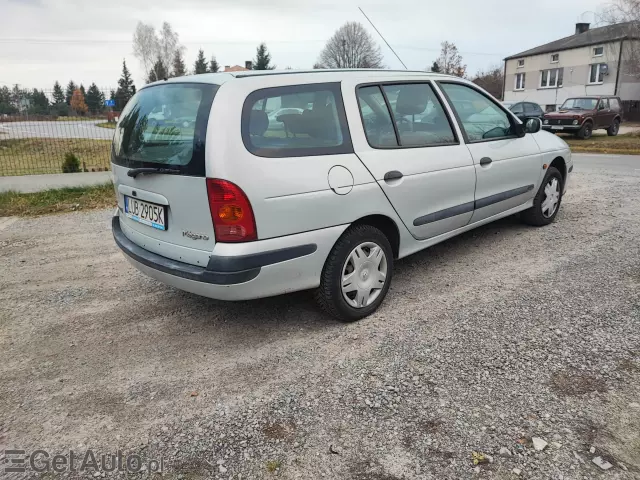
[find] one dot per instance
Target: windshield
(165, 125)
(579, 104)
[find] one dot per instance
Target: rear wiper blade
(134, 172)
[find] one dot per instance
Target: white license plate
(145, 212)
(557, 128)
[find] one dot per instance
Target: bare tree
(145, 45)
(351, 47)
(168, 44)
(450, 61)
(627, 14)
(491, 80)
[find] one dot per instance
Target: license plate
(145, 212)
(557, 128)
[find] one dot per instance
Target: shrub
(71, 163)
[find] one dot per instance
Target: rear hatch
(158, 159)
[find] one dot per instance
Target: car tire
(614, 128)
(586, 131)
(536, 215)
(343, 261)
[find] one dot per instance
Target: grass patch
(31, 156)
(77, 119)
(629, 143)
(110, 125)
(273, 465)
(61, 200)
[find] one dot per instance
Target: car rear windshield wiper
(134, 172)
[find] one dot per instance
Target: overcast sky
(46, 40)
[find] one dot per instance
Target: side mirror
(532, 125)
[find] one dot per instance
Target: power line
(384, 39)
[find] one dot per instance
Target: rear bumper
(273, 266)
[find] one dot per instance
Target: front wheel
(586, 131)
(357, 274)
(547, 201)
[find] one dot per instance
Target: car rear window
(296, 121)
(165, 124)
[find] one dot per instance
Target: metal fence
(47, 131)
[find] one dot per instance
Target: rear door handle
(485, 161)
(392, 175)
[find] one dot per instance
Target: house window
(551, 78)
(519, 81)
(598, 51)
(521, 63)
(596, 73)
(555, 58)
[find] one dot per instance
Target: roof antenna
(374, 27)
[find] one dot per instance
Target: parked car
(582, 115)
(524, 110)
(233, 209)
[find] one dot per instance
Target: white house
(598, 61)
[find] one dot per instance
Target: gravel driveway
(484, 342)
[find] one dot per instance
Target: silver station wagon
(250, 184)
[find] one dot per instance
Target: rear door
(412, 148)
(604, 114)
(508, 167)
(158, 162)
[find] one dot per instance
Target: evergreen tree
(213, 65)
(201, 64)
(157, 72)
(179, 68)
(435, 68)
(94, 99)
(71, 87)
(58, 94)
(126, 88)
(39, 102)
(84, 93)
(263, 59)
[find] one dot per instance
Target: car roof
(311, 76)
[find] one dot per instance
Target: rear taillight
(231, 212)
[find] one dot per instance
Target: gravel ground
(504, 334)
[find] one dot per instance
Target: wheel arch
(387, 226)
(561, 165)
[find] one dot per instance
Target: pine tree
(213, 65)
(39, 102)
(263, 59)
(84, 93)
(179, 68)
(157, 72)
(201, 64)
(71, 87)
(126, 88)
(58, 94)
(94, 99)
(435, 68)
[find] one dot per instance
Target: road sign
(109, 103)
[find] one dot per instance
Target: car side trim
(257, 260)
(442, 214)
(470, 206)
(500, 197)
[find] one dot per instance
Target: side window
(297, 120)
(419, 117)
(378, 126)
(604, 104)
(517, 108)
(481, 118)
(613, 102)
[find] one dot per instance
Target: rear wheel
(547, 201)
(613, 130)
(357, 274)
(586, 131)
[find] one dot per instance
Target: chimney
(248, 64)
(581, 28)
(227, 67)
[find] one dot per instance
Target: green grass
(273, 465)
(77, 119)
(29, 156)
(628, 143)
(57, 201)
(111, 125)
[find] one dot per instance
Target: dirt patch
(576, 383)
(279, 430)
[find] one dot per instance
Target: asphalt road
(601, 163)
(58, 129)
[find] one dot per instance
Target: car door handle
(392, 175)
(485, 161)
